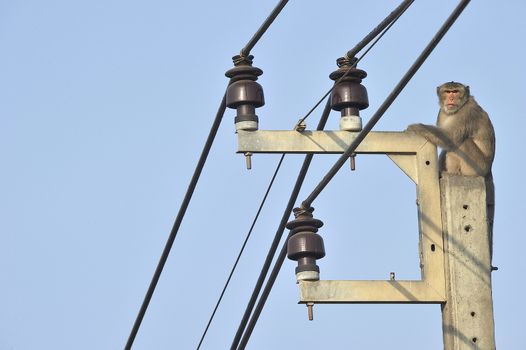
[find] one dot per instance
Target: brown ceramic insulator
(304, 244)
(244, 94)
(348, 96)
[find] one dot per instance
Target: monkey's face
(451, 100)
(452, 97)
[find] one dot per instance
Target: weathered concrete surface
(467, 314)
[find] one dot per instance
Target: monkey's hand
(433, 135)
(419, 129)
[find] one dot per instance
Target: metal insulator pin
(248, 159)
(353, 162)
(301, 125)
(309, 311)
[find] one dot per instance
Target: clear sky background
(105, 107)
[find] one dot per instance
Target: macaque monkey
(465, 134)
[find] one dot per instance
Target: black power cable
(378, 32)
(384, 26)
(281, 258)
(278, 235)
(193, 183)
(250, 45)
(388, 101)
(177, 223)
(388, 21)
(269, 187)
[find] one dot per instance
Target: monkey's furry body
(466, 136)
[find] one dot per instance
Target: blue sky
(104, 109)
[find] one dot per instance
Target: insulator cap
(348, 95)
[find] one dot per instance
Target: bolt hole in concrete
(467, 228)
(472, 313)
(428, 162)
(474, 339)
(465, 206)
(432, 247)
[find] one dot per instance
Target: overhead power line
(405, 79)
(273, 15)
(193, 183)
(243, 333)
(177, 223)
(388, 101)
(279, 233)
(269, 187)
(377, 33)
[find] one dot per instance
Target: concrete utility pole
(453, 234)
(467, 314)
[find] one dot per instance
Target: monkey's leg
(452, 164)
(442, 161)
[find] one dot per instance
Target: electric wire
(405, 79)
(391, 18)
(177, 223)
(243, 338)
(388, 101)
(279, 233)
(269, 187)
(193, 183)
(266, 292)
(250, 45)
(378, 32)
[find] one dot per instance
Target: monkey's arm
(476, 163)
(434, 135)
(478, 149)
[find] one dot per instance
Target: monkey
(466, 136)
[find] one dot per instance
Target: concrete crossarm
(282, 141)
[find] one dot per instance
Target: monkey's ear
(467, 91)
(438, 91)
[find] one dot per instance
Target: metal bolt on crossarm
(305, 245)
(248, 160)
(310, 312)
(353, 161)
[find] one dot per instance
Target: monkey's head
(452, 96)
